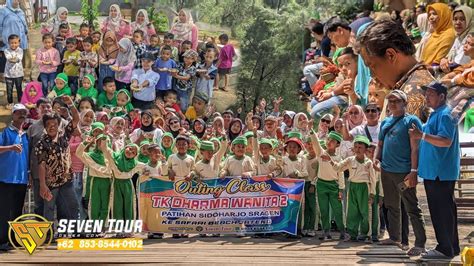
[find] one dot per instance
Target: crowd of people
(383, 116)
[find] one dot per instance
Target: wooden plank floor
(226, 250)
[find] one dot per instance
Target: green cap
(101, 136)
(295, 134)
(207, 145)
(415, 32)
(274, 143)
(201, 96)
(196, 140)
(335, 136)
(362, 139)
(97, 125)
(248, 134)
(62, 76)
(266, 141)
(240, 140)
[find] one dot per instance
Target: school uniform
(209, 170)
(234, 166)
(181, 165)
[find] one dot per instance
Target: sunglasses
(374, 111)
(395, 101)
(353, 113)
(326, 121)
(174, 122)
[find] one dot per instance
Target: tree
(90, 12)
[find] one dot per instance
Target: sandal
(415, 251)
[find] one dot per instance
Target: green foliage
(90, 12)
(159, 20)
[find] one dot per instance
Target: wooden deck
(226, 250)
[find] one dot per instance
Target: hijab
(111, 51)
(54, 23)
(183, 30)
(25, 98)
(232, 135)
(114, 22)
(100, 115)
(442, 37)
(10, 7)
(123, 163)
(199, 134)
(176, 132)
(144, 25)
(97, 155)
(167, 151)
(150, 127)
(358, 119)
(219, 118)
(84, 128)
(113, 122)
(66, 90)
(126, 58)
(141, 157)
(467, 11)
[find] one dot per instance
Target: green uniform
(375, 211)
(328, 196)
(124, 200)
(310, 210)
(358, 209)
(99, 198)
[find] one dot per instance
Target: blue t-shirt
(439, 161)
(396, 152)
(165, 76)
(14, 165)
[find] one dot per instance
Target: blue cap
(437, 86)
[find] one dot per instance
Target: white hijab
(115, 22)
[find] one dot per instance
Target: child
(208, 166)
(206, 73)
(86, 103)
(378, 198)
(71, 63)
(310, 212)
(170, 101)
(167, 144)
(124, 105)
(87, 89)
(31, 96)
(61, 88)
(108, 98)
(135, 117)
(124, 64)
(265, 163)
(361, 189)
(238, 164)
(84, 31)
(96, 36)
(88, 60)
(168, 40)
(225, 61)
(198, 109)
(185, 46)
(139, 46)
(184, 78)
(13, 69)
(116, 133)
(162, 67)
(98, 192)
(48, 60)
(330, 183)
(154, 47)
(60, 42)
(108, 52)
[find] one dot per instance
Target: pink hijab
(25, 98)
(356, 120)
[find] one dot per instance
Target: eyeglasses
(371, 111)
(174, 122)
(395, 101)
(353, 113)
(326, 121)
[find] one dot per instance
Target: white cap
(18, 107)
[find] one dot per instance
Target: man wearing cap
(399, 162)
(439, 166)
(144, 80)
(370, 130)
(14, 174)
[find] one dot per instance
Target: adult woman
(462, 19)
(355, 117)
(442, 37)
(114, 22)
(52, 26)
(184, 29)
(142, 23)
(147, 131)
(108, 52)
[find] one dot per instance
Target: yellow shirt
(72, 69)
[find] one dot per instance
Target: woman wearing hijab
(174, 124)
(147, 130)
(199, 128)
(52, 26)
(124, 64)
(142, 23)
(355, 117)
(235, 129)
(462, 20)
(442, 37)
(185, 29)
(114, 22)
(108, 53)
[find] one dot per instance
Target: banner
(220, 206)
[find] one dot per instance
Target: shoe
(304, 232)
(216, 235)
(311, 233)
(9, 106)
(5, 247)
(328, 236)
(155, 236)
(351, 239)
(342, 236)
(404, 247)
(184, 235)
(433, 254)
(176, 236)
(415, 251)
(202, 235)
(375, 239)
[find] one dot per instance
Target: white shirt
(360, 131)
(147, 94)
(14, 70)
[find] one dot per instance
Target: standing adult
(114, 22)
(52, 25)
(13, 21)
(439, 142)
(399, 162)
(14, 177)
(389, 53)
(142, 22)
(185, 29)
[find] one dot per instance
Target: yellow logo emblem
(30, 232)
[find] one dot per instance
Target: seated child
(107, 98)
(87, 89)
(124, 104)
(61, 87)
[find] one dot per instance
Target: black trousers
(12, 198)
(443, 212)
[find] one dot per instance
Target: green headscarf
(97, 125)
(141, 157)
(167, 151)
(91, 92)
(64, 91)
(123, 163)
(97, 155)
(198, 146)
(128, 105)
